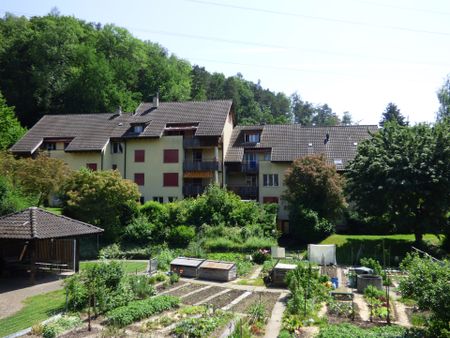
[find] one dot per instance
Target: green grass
(35, 310)
(56, 211)
(129, 266)
(351, 248)
(253, 282)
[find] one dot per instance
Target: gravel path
(11, 301)
(274, 325)
(362, 306)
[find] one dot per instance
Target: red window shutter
(91, 166)
(139, 178)
(270, 199)
(139, 156)
(170, 155)
(171, 179)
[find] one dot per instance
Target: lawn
(350, 248)
(129, 266)
(35, 310)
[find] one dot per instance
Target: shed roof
(35, 223)
(283, 266)
(287, 143)
(187, 261)
(217, 265)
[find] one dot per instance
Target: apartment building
(171, 150)
(259, 156)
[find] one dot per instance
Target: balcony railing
(200, 165)
(193, 190)
(198, 143)
(249, 167)
(245, 192)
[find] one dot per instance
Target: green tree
(427, 282)
(10, 129)
(324, 116)
(101, 198)
(406, 171)
(12, 198)
(303, 111)
(347, 119)
(314, 194)
(392, 113)
(444, 100)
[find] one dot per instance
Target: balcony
(245, 192)
(196, 142)
(192, 190)
(200, 165)
(250, 167)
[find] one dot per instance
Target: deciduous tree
(10, 128)
(444, 100)
(401, 177)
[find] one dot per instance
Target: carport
(35, 239)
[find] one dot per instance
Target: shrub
(112, 251)
(77, 292)
(181, 236)
(141, 286)
(260, 256)
(372, 292)
(308, 224)
(62, 324)
(139, 231)
(140, 309)
(174, 278)
(203, 326)
(372, 264)
(164, 258)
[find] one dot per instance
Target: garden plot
(167, 287)
(185, 289)
(225, 299)
(267, 298)
(201, 295)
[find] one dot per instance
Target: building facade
(173, 150)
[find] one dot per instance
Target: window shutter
(170, 155)
(139, 179)
(170, 179)
(139, 156)
(91, 166)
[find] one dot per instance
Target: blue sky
(355, 55)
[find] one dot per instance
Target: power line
(422, 10)
(320, 18)
(258, 44)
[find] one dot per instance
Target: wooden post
(33, 261)
(77, 255)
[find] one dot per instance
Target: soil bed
(199, 296)
(185, 290)
(267, 298)
(225, 299)
(162, 288)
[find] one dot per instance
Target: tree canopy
(444, 100)
(406, 170)
(308, 114)
(392, 113)
(10, 128)
(315, 196)
(62, 65)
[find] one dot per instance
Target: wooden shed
(185, 266)
(217, 270)
(279, 273)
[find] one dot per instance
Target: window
(139, 156)
(270, 199)
(170, 179)
(158, 199)
(251, 180)
(270, 180)
(50, 145)
(116, 148)
(91, 166)
(267, 156)
(139, 179)
(138, 128)
(251, 138)
(172, 199)
(197, 156)
(114, 167)
(170, 155)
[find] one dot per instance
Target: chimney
(119, 111)
(156, 100)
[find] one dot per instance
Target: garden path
(256, 273)
(362, 306)
(274, 325)
(12, 301)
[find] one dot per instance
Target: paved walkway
(12, 301)
(274, 325)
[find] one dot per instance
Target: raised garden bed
(199, 296)
(225, 299)
(267, 298)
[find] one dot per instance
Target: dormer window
(139, 128)
(251, 137)
(49, 146)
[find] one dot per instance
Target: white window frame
(252, 137)
(116, 148)
(270, 180)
